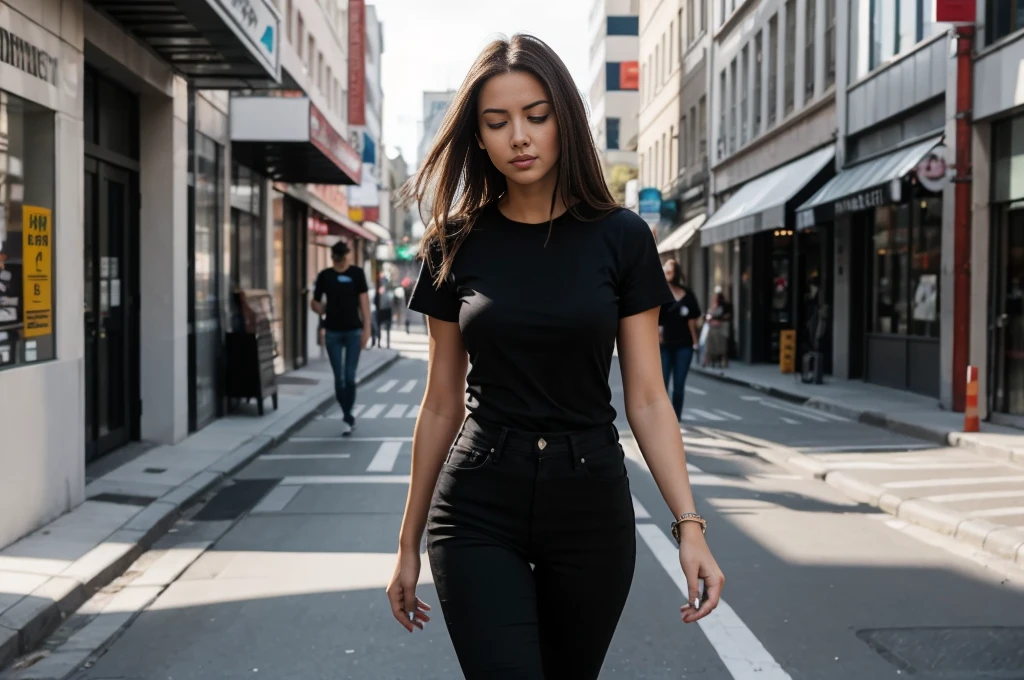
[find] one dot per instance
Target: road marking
(386, 387)
(384, 459)
(998, 512)
(305, 456)
(695, 390)
(397, 411)
(278, 498)
(374, 411)
(357, 409)
(786, 409)
(345, 479)
(639, 510)
(952, 481)
(315, 440)
(974, 496)
(750, 397)
(791, 421)
(731, 416)
(408, 387)
(854, 448)
(899, 465)
(706, 415)
(740, 650)
(413, 411)
(688, 417)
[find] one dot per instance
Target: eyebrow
(525, 108)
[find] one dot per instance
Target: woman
(677, 328)
(718, 318)
(531, 275)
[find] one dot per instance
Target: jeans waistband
(497, 439)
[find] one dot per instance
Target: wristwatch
(688, 517)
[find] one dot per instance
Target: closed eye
(496, 126)
(538, 119)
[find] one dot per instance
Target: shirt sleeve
(642, 283)
(318, 289)
(694, 307)
(441, 303)
(360, 281)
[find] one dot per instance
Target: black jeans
(506, 500)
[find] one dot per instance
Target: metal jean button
(541, 444)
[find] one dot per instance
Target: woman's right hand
(408, 609)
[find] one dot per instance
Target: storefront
(752, 253)
(885, 215)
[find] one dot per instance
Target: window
(673, 156)
(693, 158)
(665, 158)
(830, 43)
(655, 179)
(890, 260)
(809, 31)
(723, 103)
(624, 25)
(926, 241)
(732, 106)
(758, 56)
(248, 237)
(908, 24)
(310, 56)
(691, 22)
(721, 12)
(744, 80)
(320, 71)
(27, 235)
(703, 15)
(611, 71)
(288, 21)
(300, 36)
(685, 144)
(773, 69)
(657, 68)
(789, 69)
(673, 50)
(702, 129)
(612, 132)
(329, 84)
(665, 68)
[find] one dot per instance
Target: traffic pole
(962, 213)
(971, 423)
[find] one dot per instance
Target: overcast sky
(430, 45)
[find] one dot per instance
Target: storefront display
(26, 232)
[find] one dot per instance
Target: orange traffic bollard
(971, 404)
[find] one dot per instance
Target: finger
(395, 596)
(422, 605)
(410, 600)
(692, 586)
(712, 596)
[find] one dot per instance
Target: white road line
(998, 512)
(320, 440)
(707, 415)
(975, 496)
(750, 397)
(305, 456)
(384, 459)
(397, 411)
(952, 481)
(408, 387)
(374, 411)
(900, 465)
(639, 510)
(386, 387)
(357, 409)
(413, 411)
(791, 421)
(854, 448)
(346, 479)
(786, 409)
(695, 390)
(731, 416)
(278, 498)
(688, 417)
(740, 650)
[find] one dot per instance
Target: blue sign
(650, 203)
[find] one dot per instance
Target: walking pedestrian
(531, 275)
(346, 324)
(677, 326)
(718, 319)
(385, 305)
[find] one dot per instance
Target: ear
(479, 141)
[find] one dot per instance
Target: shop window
(890, 261)
(27, 233)
(924, 268)
(248, 237)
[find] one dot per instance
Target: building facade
(614, 89)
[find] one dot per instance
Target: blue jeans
(343, 351)
(675, 364)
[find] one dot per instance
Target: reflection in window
(924, 270)
(1003, 18)
(889, 268)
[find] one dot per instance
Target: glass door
(1008, 312)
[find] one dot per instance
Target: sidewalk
(48, 574)
(896, 410)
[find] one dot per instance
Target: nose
(520, 138)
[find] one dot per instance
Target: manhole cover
(994, 653)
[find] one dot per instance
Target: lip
(523, 161)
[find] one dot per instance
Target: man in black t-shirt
(346, 320)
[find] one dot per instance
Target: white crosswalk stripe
(387, 387)
(357, 409)
(408, 387)
(727, 414)
(707, 415)
(384, 459)
(374, 411)
(413, 411)
(695, 390)
(397, 411)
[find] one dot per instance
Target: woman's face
(670, 272)
(517, 127)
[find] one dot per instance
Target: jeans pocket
(607, 462)
(466, 458)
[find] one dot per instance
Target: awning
(862, 186)
(289, 140)
(218, 44)
(378, 230)
(681, 236)
(760, 204)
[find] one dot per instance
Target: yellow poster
(787, 351)
(37, 270)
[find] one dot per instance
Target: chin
(531, 176)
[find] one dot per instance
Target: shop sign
(21, 54)
(356, 62)
(258, 24)
(787, 351)
(871, 198)
(650, 204)
(37, 227)
(330, 143)
(933, 171)
(955, 11)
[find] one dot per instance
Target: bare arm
(317, 307)
(439, 420)
(656, 429)
(364, 308)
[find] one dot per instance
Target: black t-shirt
(539, 322)
(675, 320)
(342, 290)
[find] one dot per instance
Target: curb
(30, 621)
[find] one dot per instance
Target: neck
(341, 265)
(531, 203)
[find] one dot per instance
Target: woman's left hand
(698, 565)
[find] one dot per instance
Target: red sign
(356, 62)
(629, 75)
(317, 225)
(330, 143)
(955, 11)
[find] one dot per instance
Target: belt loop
(496, 451)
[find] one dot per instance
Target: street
(282, 573)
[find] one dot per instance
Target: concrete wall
(659, 92)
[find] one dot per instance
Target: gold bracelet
(688, 517)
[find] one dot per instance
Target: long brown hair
(458, 179)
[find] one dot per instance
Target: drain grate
(231, 502)
(981, 653)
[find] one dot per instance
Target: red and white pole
(971, 423)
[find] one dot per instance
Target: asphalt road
(301, 546)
